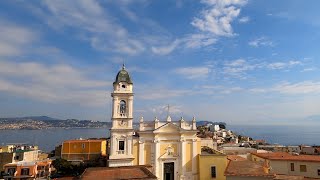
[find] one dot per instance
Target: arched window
(123, 108)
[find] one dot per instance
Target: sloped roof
(287, 157)
(239, 166)
(116, 173)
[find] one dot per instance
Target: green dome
(123, 76)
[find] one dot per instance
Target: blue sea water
(281, 134)
(48, 139)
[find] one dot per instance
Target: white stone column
(113, 144)
(130, 103)
(115, 108)
(182, 156)
(156, 156)
(129, 145)
(141, 152)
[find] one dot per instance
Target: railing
(121, 152)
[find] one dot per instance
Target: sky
(236, 61)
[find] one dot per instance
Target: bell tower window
(123, 108)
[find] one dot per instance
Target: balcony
(120, 152)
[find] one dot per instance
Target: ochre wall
(74, 150)
(135, 151)
(205, 163)
(147, 153)
(188, 156)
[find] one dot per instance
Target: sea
(47, 139)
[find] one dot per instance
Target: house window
(213, 172)
(318, 172)
(11, 171)
(83, 145)
(303, 168)
(121, 145)
(25, 171)
(292, 166)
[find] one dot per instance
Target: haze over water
(48, 139)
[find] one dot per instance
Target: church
(171, 147)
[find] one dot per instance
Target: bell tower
(121, 131)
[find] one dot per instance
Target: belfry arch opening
(123, 108)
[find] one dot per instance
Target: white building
(171, 148)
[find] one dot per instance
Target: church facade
(172, 148)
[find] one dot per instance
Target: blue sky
(238, 61)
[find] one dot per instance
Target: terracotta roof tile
(287, 156)
(236, 158)
(117, 173)
(84, 140)
(246, 168)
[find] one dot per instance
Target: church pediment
(168, 128)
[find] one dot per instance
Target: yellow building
(170, 147)
(212, 165)
(83, 149)
(290, 164)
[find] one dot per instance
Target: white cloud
(304, 87)
(14, 38)
(218, 16)
(54, 83)
(238, 68)
(214, 21)
(199, 40)
(164, 50)
(92, 23)
(193, 72)
(244, 19)
(283, 65)
(309, 69)
(261, 41)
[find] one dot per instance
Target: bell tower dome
(121, 131)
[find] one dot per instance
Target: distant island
(45, 122)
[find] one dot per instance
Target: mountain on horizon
(39, 118)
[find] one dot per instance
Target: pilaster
(194, 156)
(129, 145)
(182, 156)
(130, 103)
(141, 152)
(156, 156)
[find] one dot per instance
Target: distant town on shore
(45, 122)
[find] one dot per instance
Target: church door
(168, 171)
